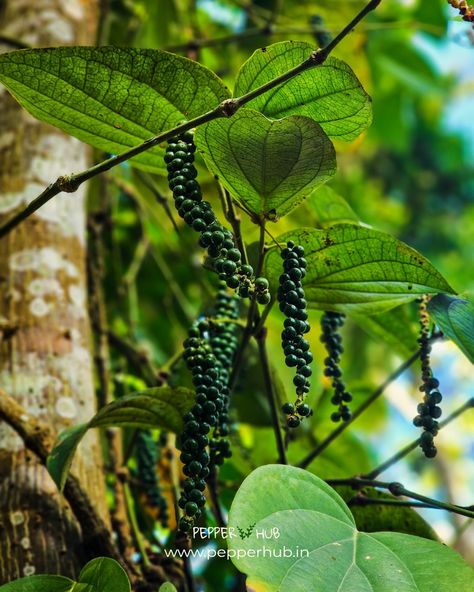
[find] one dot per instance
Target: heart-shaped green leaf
(354, 269)
(303, 537)
(113, 98)
(330, 94)
(455, 317)
(269, 166)
(161, 407)
(105, 575)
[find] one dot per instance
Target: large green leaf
(455, 317)
(167, 587)
(110, 97)
(330, 94)
(379, 517)
(105, 575)
(312, 542)
(161, 407)
(99, 575)
(358, 270)
(42, 584)
(269, 166)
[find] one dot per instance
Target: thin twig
(363, 500)
(269, 387)
(98, 314)
(13, 42)
(234, 220)
(132, 516)
(398, 489)
(160, 198)
(358, 412)
(137, 358)
(141, 251)
(214, 497)
(227, 108)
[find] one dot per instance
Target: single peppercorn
(291, 298)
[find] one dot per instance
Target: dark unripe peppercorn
(293, 304)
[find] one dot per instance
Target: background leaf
(269, 166)
(310, 515)
(161, 407)
(357, 269)
(105, 575)
(111, 97)
(41, 584)
(330, 94)
(455, 317)
(167, 587)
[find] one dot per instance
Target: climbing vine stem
(71, 183)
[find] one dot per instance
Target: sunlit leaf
(161, 407)
(113, 98)
(354, 269)
(269, 166)
(330, 94)
(455, 317)
(324, 549)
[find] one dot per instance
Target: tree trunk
(45, 355)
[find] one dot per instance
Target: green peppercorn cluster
(208, 351)
(331, 322)
(198, 213)
(147, 457)
(428, 411)
(224, 341)
(295, 347)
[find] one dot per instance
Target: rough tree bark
(45, 357)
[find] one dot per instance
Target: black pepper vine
(209, 353)
(198, 214)
(147, 456)
(428, 411)
(331, 322)
(291, 298)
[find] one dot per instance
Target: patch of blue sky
(454, 54)
(229, 16)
